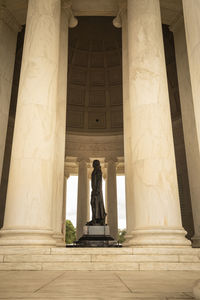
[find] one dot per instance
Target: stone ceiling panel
(98, 70)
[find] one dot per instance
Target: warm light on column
(153, 204)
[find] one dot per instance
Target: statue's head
(96, 163)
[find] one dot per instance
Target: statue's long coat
(98, 210)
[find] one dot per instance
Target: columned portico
(35, 211)
(155, 205)
(29, 199)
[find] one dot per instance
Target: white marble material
(139, 258)
(97, 285)
(190, 103)
(83, 198)
(189, 123)
(64, 206)
(29, 198)
(59, 147)
(111, 198)
(196, 290)
(127, 125)
(8, 40)
(191, 12)
(96, 230)
(156, 218)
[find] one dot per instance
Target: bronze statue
(98, 210)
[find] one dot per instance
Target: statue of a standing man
(98, 210)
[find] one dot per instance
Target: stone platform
(113, 259)
(97, 285)
(96, 236)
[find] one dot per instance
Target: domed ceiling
(94, 102)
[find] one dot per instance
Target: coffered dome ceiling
(95, 77)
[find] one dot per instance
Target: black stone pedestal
(96, 236)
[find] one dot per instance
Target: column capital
(8, 18)
(175, 26)
(110, 159)
(104, 174)
(122, 6)
(66, 174)
(81, 160)
(67, 6)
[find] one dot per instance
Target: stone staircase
(38, 258)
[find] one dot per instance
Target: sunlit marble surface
(155, 203)
(8, 40)
(191, 12)
(29, 196)
(157, 285)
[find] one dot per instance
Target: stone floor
(97, 285)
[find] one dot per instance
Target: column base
(59, 238)
(10, 237)
(157, 237)
(196, 241)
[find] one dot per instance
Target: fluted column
(111, 198)
(122, 22)
(28, 211)
(155, 208)
(59, 151)
(191, 11)
(187, 56)
(66, 177)
(9, 29)
(83, 197)
(188, 119)
(8, 39)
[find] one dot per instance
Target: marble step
(102, 266)
(4, 250)
(38, 258)
(115, 258)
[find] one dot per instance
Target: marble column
(59, 151)
(187, 59)
(155, 209)
(128, 163)
(83, 197)
(29, 198)
(64, 205)
(111, 198)
(9, 29)
(191, 11)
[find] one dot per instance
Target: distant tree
(70, 236)
(121, 235)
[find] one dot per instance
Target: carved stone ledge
(94, 146)
(8, 18)
(111, 159)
